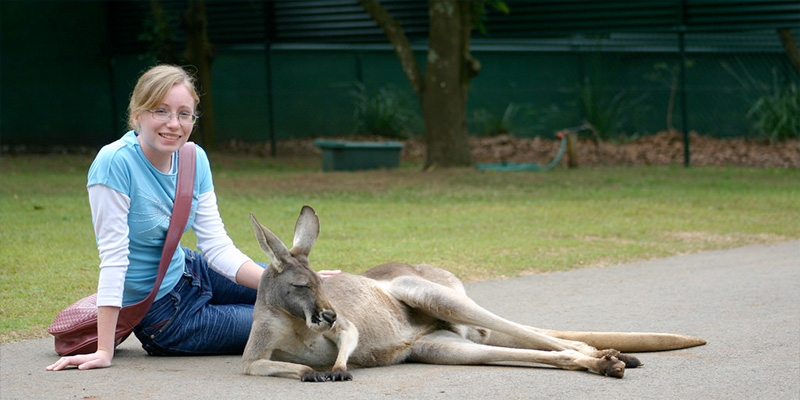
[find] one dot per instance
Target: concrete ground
(745, 302)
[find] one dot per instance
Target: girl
(131, 184)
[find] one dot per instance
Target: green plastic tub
(339, 155)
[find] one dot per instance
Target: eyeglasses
(184, 117)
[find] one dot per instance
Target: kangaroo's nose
(329, 316)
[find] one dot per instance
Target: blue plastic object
(506, 166)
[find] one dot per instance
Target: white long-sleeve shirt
(110, 212)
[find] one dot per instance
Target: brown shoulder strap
(182, 206)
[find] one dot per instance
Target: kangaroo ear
(306, 231)
(270, 243)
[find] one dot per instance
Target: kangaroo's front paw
(339, 376)
(314, 376)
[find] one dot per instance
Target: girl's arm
(109, 216)
(106, 326)
(215, 244)
(218, 248)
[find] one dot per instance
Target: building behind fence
(297, 69)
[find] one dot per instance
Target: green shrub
(388, 113)
(490, 124)
(775, 114)
(605, 109)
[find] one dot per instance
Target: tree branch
(471, 65)
(790, 45)
(394, 31)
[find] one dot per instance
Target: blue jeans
(204, 314)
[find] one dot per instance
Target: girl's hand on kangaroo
(325, 274)
(99, 359)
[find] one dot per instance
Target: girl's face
(159, 139)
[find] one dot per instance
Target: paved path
(745, 302)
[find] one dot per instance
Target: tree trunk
(442, 92)
(199, 54)
(449, 72)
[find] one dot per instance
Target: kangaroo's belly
(387, 328)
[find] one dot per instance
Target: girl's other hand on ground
(99, 359)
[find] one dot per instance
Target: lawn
(479, 225)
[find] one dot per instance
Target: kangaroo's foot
(606, 364)
(629, 360)
(610, 366)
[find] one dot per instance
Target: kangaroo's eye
(301, 285)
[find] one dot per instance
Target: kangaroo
(395, 313)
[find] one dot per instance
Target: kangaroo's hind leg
(455, 307)
(496, 338)
(446, 347)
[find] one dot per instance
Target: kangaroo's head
(289, 284)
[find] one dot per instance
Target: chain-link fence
(733, 84)
(630, 68)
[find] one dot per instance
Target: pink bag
(75, 328)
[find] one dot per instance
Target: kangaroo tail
(630, 342)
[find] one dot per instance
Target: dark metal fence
(629, 67)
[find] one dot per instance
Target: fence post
(684, 107)
(269, 36)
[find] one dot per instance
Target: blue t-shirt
(122, 166)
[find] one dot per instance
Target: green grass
(480, 225)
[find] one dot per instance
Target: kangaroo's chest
(302, 345)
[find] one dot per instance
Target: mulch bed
(664, 148)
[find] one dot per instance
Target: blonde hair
(153, 86)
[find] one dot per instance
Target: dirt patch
(726, 240)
